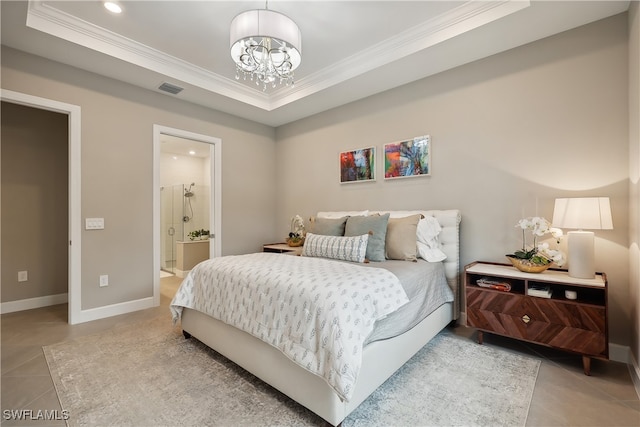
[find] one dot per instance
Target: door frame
(215, 208)
(75, 222)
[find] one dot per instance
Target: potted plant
(539, 257)
(296, 232)
(201, 234)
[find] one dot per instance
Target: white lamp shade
(591, 213)
(266, 23)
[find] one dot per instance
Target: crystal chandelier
(266, 47)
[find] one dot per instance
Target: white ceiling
(350, 49)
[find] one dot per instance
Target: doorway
(187, 200)
(185, 195)
(75, 314)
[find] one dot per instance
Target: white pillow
(353, 248)
(427, 240)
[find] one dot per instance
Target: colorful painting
(408, 158)
(357, 165)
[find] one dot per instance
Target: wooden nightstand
(282, 248)
(577, 325)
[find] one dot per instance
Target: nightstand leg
(586, 365)
(480, 337)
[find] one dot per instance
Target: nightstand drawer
(566, 314)
(567, 338)
(536, 323)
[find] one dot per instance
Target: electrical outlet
(23, 276)
(104, 280)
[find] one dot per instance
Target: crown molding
(464, 18)
(43, 17)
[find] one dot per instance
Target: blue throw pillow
(376, 227)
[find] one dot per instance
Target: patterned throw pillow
(336, 247)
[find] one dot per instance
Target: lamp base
(581, 254)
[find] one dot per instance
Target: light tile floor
(563, 395)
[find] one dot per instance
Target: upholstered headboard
(449, 239)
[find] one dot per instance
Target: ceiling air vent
(172, 89)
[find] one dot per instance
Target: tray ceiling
(350, 49)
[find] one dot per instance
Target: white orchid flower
(297, 225)
(556, 233)
(539, 227)
(556, 256)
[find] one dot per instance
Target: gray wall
(34, 202)
(510, 133)
(117, 171)
(634, 179)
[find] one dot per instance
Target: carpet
(147, 374)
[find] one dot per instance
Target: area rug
(147, 374)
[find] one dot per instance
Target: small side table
(282, 248)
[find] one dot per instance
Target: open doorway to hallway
(35, 213)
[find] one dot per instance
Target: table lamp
(592, 213)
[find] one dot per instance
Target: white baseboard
(182, 273)
(113, 310)
(31, 303)
(634, 371)
(462, 319)
(619, 353)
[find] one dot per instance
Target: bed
(314, 384)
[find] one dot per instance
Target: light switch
(94, 223)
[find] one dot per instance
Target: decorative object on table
(571, 294)
(498, 285)
(538, 257)
(541, 291)
(296, 232)
(408, 158)
(266, 47)
(201, 234)
(358, 165)
(592, 213)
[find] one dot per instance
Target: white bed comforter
(318, 312)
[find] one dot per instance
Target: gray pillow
(328, 226)
(376, 226)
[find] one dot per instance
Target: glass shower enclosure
(172, 224)
(183, 209)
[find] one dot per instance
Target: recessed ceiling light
(193, 153)
(112, 7)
